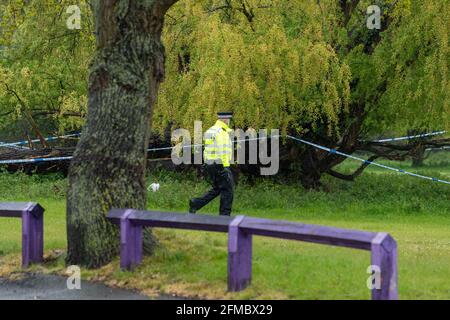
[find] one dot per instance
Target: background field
(415, 212)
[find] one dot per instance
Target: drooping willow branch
(28, 116)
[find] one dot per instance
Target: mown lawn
(415, 212)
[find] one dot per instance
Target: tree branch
(27, 115)
(348, 7)
(401, 152)
(245, 9)
(64, 114)
(164, 5)
(436, 143)
(353, 176)
(6, 113)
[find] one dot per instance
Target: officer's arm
(223, 140)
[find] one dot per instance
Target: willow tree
(43, 67)
(108, 167)
(400, 79)
(309, 68)
(313, 69)
(268, 61)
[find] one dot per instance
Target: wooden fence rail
(241, 230)
(32, 215)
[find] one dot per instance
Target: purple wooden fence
(32, 215)
(132, 221)
(241, 230)
(382, 246)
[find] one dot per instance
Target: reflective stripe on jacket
(218, 147)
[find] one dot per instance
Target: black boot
(191, 207)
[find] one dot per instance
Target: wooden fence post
(239, 257)
(32, 235)
(130, 242)
(384, 256)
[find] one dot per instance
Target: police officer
(217, 156)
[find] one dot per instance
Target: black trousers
(222, 184)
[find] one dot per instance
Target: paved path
(52, 287)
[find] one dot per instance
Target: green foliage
(412, 62)
(400, 193)
(268, 72)
(194, 263)
(21, 187)
(44, 66)
(295, 66)
(374, 194)
(292, 65)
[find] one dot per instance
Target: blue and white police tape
(437, 133)
(202, 145)
(333, 151)
(5, 144)
(438, 149)
(20, 143)
(36, 160)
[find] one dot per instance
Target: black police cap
(225, 115)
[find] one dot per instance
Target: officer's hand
(227, 169)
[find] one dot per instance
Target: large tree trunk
(310, 171)
(418, 152)
(108, 169)
(418, 156)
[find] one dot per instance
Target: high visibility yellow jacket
(218, 147)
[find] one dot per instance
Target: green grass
(415, 212)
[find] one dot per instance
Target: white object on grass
(154, 187)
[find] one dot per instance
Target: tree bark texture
(108, 169)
